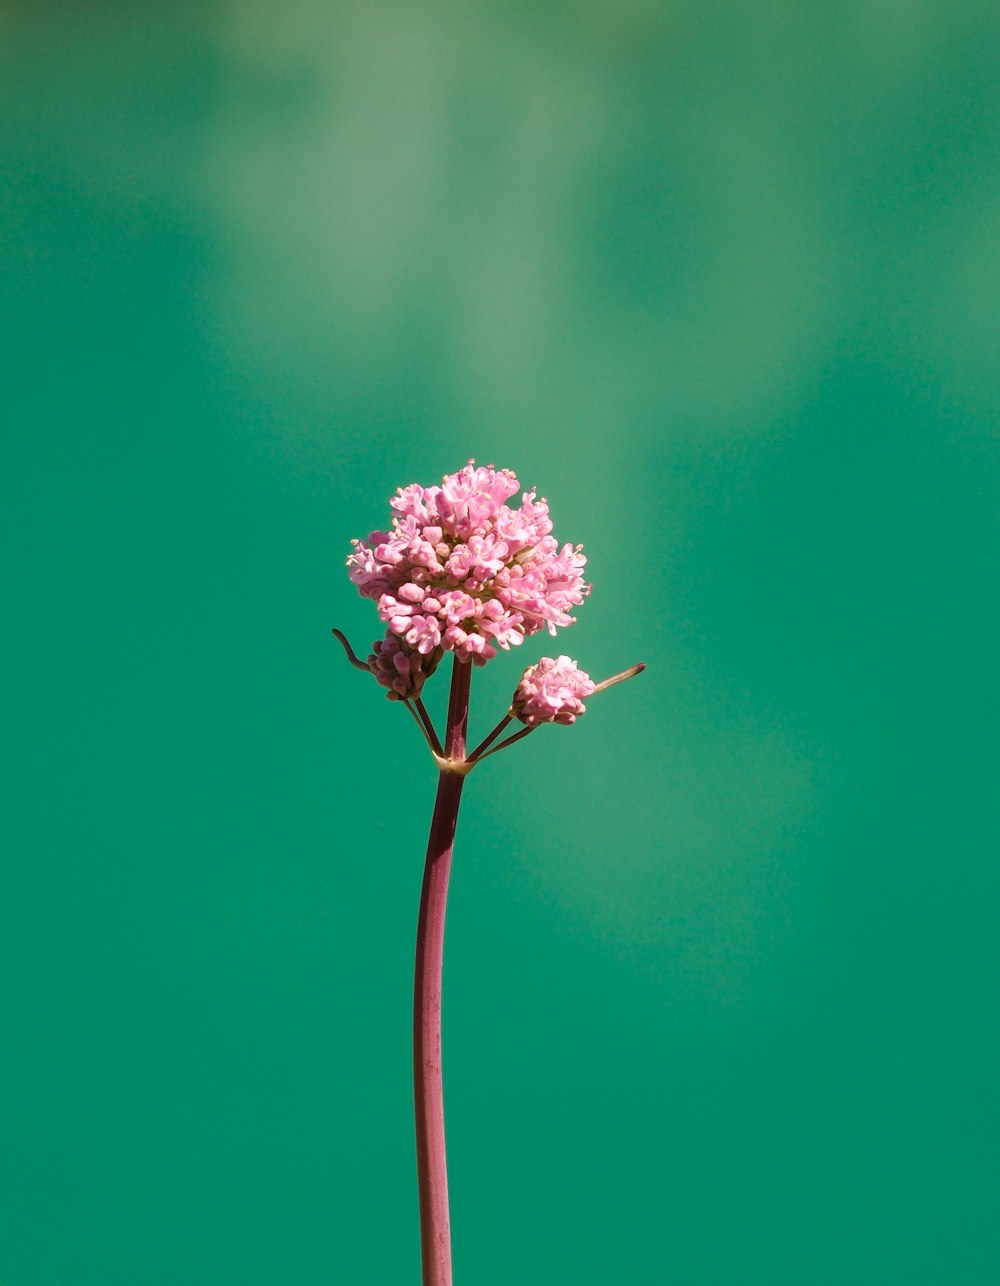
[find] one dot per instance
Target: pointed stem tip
(358, 665)
(630, 673)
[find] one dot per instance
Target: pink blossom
(399, 668)
(552, 692)
(462, 570)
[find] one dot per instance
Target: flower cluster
(400, 669)
(552, 692)
(461, 570)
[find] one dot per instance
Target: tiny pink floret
(461, 570)
(552, 691)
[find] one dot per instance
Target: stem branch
(426, 720)
(491, 738)
(508, 742)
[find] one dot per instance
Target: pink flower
(552, 692)
(401, 669)
(463, 571)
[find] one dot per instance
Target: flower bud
(551, 692)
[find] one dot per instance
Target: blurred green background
(723, 281)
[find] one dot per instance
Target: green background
(722, 280)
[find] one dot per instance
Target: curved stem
(342, 639)
(428, 1085)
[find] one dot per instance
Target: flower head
(552, 692)
(459, 570)
(399, 668)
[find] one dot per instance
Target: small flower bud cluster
(552, 692)
(461, 571)
(400, 669)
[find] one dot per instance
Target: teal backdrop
(723, 281)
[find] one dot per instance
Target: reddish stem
(458, 710)
(428, 1089)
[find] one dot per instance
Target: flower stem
(458, 710)
(491, 738)
(428, 1088)
(504, 744)
(419, 712)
